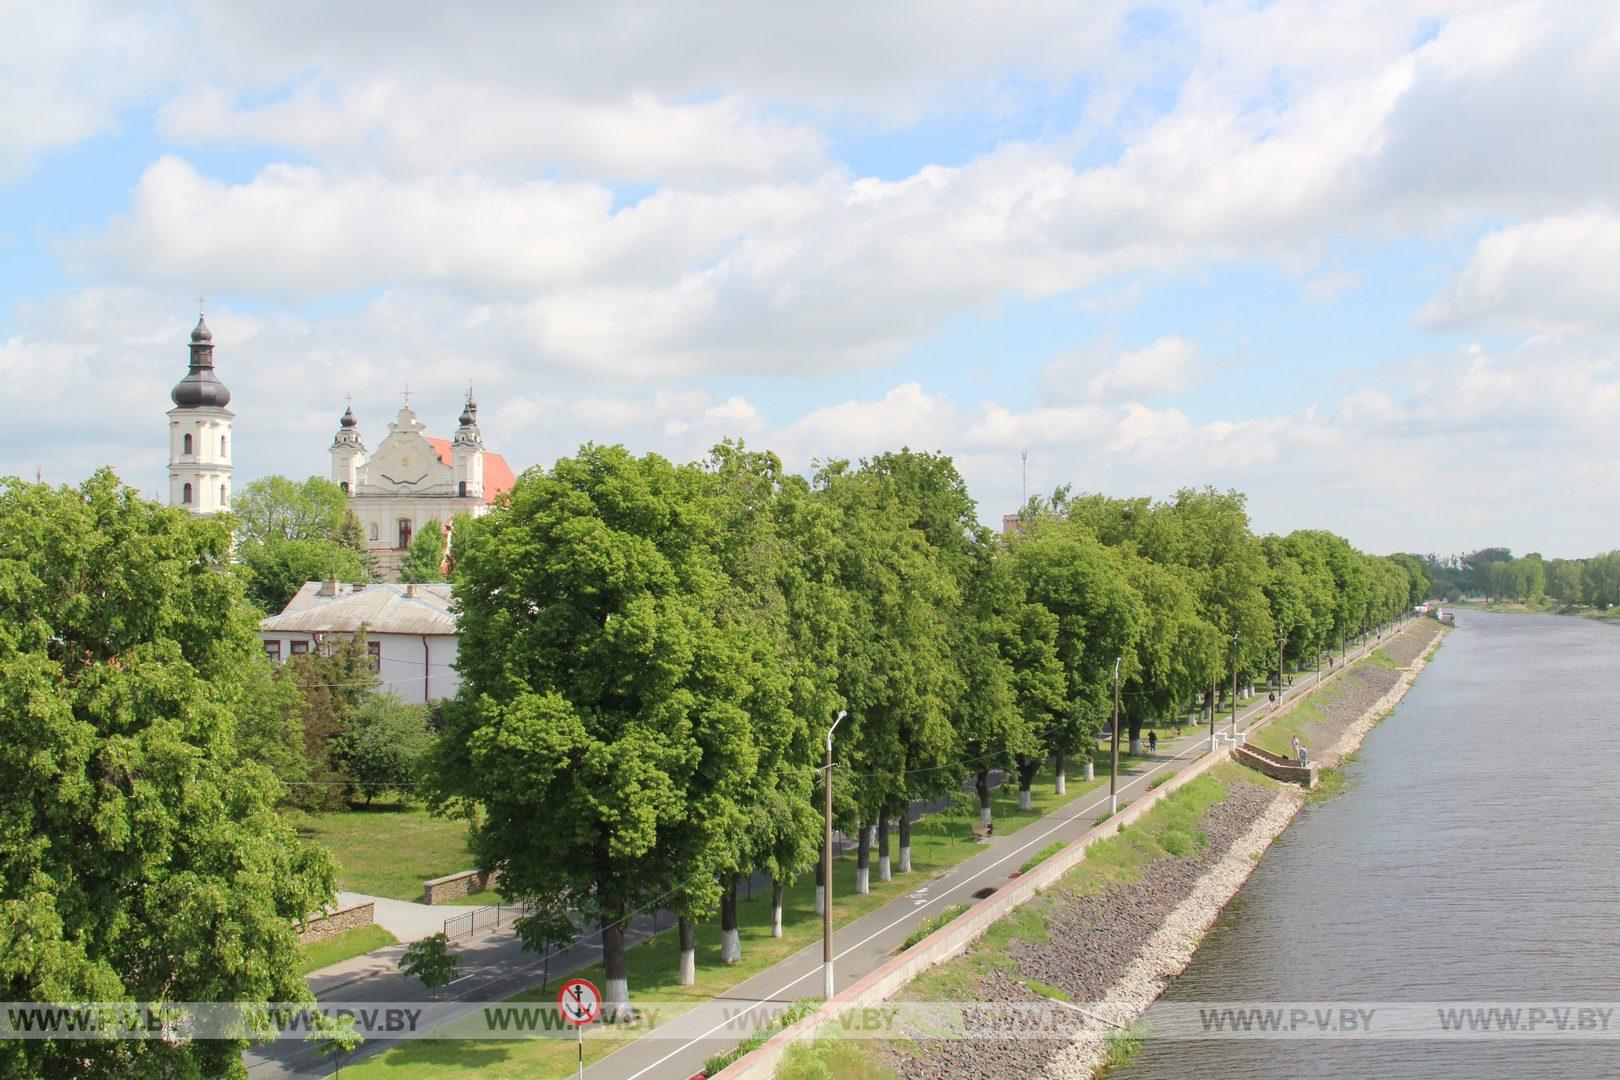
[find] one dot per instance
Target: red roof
(498, 476)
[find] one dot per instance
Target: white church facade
(411, 482)
(414, 481)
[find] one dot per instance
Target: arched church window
(345, 486)
(404, 533)
(373, 531)
(185, 446)
(222, 494)
(461, 489)
(185, 491)
(222, 446)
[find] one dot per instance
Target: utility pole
(1212, 742)
(1113, 763)
(827, 870)
(1280, 637)
(1234, 685)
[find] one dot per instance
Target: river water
(1475, 855)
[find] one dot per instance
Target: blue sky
(1356, 260)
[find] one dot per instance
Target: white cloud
(1102, 372)
(1555, 275)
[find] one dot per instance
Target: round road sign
(580, 1001)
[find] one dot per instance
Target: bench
(984, 829)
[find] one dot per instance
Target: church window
(222, 495)
(185, 490)
(404, 533)
(345, 486)
(373, 531)
(222, 445)
(461, 489)
(185, 444)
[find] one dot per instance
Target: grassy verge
(938, 842)
(387, 850)
(932, 923)
(832, 1059)
(340, 947)
(1042, 855)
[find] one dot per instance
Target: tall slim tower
(467, 453)
(200, 433)
(347, 451)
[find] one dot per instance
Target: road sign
(580, 1001)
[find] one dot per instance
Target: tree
(383, 744)
(145, 859)
(430, 960)
(330, 683)
(289, 533)
(545, 928)
(273, 570)
(334, 1036)
(424, 559)
(601, 689)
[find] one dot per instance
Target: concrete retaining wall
(336, 921)
(1276, 766)
(956, 935)
(442, 890)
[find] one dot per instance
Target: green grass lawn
(937, 843)
(340, 947)
(388, 850)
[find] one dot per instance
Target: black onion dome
(201, 388)
(467, 415)
(348, 420)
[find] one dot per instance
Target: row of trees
(651, 654)
(1495, 574)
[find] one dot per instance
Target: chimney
(410, 590)
(329, 587)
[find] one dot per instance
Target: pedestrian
(1296, 746)
(1272, 697)
(1304, 755)
(1153, 742)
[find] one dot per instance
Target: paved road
(495, 967)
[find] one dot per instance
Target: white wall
(402, 663)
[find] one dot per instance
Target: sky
(1358, 260)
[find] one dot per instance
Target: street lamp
(1280, 637)
(1113, 761)
(1234, 684)
(827, 870)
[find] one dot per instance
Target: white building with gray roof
(410, 632)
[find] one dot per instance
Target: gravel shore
(1112, 951)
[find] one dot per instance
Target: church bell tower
(200, 432)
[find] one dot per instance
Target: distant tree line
(1494, 574)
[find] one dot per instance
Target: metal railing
(482, 920)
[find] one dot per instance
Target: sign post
(580, 1003)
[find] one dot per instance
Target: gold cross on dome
(202, 303)
(406, 394)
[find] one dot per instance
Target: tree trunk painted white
(1025, 801)
(688, 935)
(1060, 768)
(1136, 746)
(884, 871)
(902, 864)
(1091, 772)
(776, 909)
(617, 1004)
(984, 815)
(730, 946)
(821, 899)
(863, 880)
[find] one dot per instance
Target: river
(1474, 856)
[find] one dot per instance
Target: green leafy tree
(382, 745)
(289, 533)
(424, 559)
(430, 960)
(335, 1037)
(330, 684)
(603, 688)
(274, 570)
(144, 858)
(545, 928)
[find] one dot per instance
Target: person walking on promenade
(1153, 741)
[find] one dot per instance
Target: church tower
(467, 453)
(348, 451)
(200, 433)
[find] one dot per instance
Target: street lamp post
(1280, 637)
(827, 870)
(1234, 685)
(1113, 761)
(1212, 740)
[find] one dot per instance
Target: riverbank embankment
(1100, 945)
